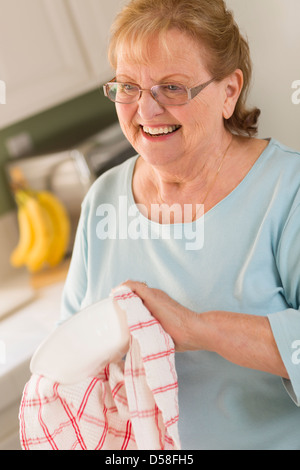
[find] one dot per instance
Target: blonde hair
(208, 22)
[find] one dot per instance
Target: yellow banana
(61, 223)
(43, 230)
(26, 238)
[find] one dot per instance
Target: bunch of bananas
(44, 230)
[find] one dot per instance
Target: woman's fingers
(150, 297)
(173, 317)
(136, 286)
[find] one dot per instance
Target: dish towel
(132, 404)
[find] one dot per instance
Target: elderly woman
(204, 224)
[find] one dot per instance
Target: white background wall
(273, 31)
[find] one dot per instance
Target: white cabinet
(93, 19)
(51, 51)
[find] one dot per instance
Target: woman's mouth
(160, 130)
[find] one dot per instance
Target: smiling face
(170, 134)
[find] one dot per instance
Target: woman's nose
(148, 107)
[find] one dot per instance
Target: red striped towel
(132, 404)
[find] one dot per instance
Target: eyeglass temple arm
(104, 91)
(106, 84)
(195, 91)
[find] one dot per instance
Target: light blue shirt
(243, 256)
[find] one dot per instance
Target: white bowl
(83, 345)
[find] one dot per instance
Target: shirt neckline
(252, 170)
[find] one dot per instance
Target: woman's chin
(158, 150)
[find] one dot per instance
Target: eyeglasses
(169, 94)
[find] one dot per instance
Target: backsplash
(58, 127)
(8, 240)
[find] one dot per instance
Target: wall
(273, 32)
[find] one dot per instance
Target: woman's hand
(175, 319)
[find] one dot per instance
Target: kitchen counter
(20, 335)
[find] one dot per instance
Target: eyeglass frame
(191, 92)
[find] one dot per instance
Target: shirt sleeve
(76, 283)
(286, 324)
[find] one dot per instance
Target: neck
(178, 184)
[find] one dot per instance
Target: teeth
(160, 130)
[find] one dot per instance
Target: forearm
(245, 340)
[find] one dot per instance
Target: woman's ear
(233, 87)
